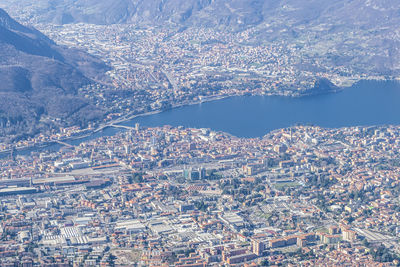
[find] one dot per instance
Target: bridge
(114, 126)
(64, 144)
(122, 126)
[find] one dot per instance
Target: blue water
(366, 103)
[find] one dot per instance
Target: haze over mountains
(40, 80)
(213, 13)
(340, 25)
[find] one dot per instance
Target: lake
(366, 103)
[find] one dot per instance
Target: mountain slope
(40, 79)
(234, 14)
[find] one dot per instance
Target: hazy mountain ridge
(351, 24)
(40, 79)
(342, 26)
(234, 13)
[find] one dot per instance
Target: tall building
(281, 148)
(187, 173)
(348, 235)
(258, 247)
(203, 173)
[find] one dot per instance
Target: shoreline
(120, 120)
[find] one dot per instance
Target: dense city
(194, 197)
(97, 192)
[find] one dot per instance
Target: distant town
(194, 197)
(155, 69)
